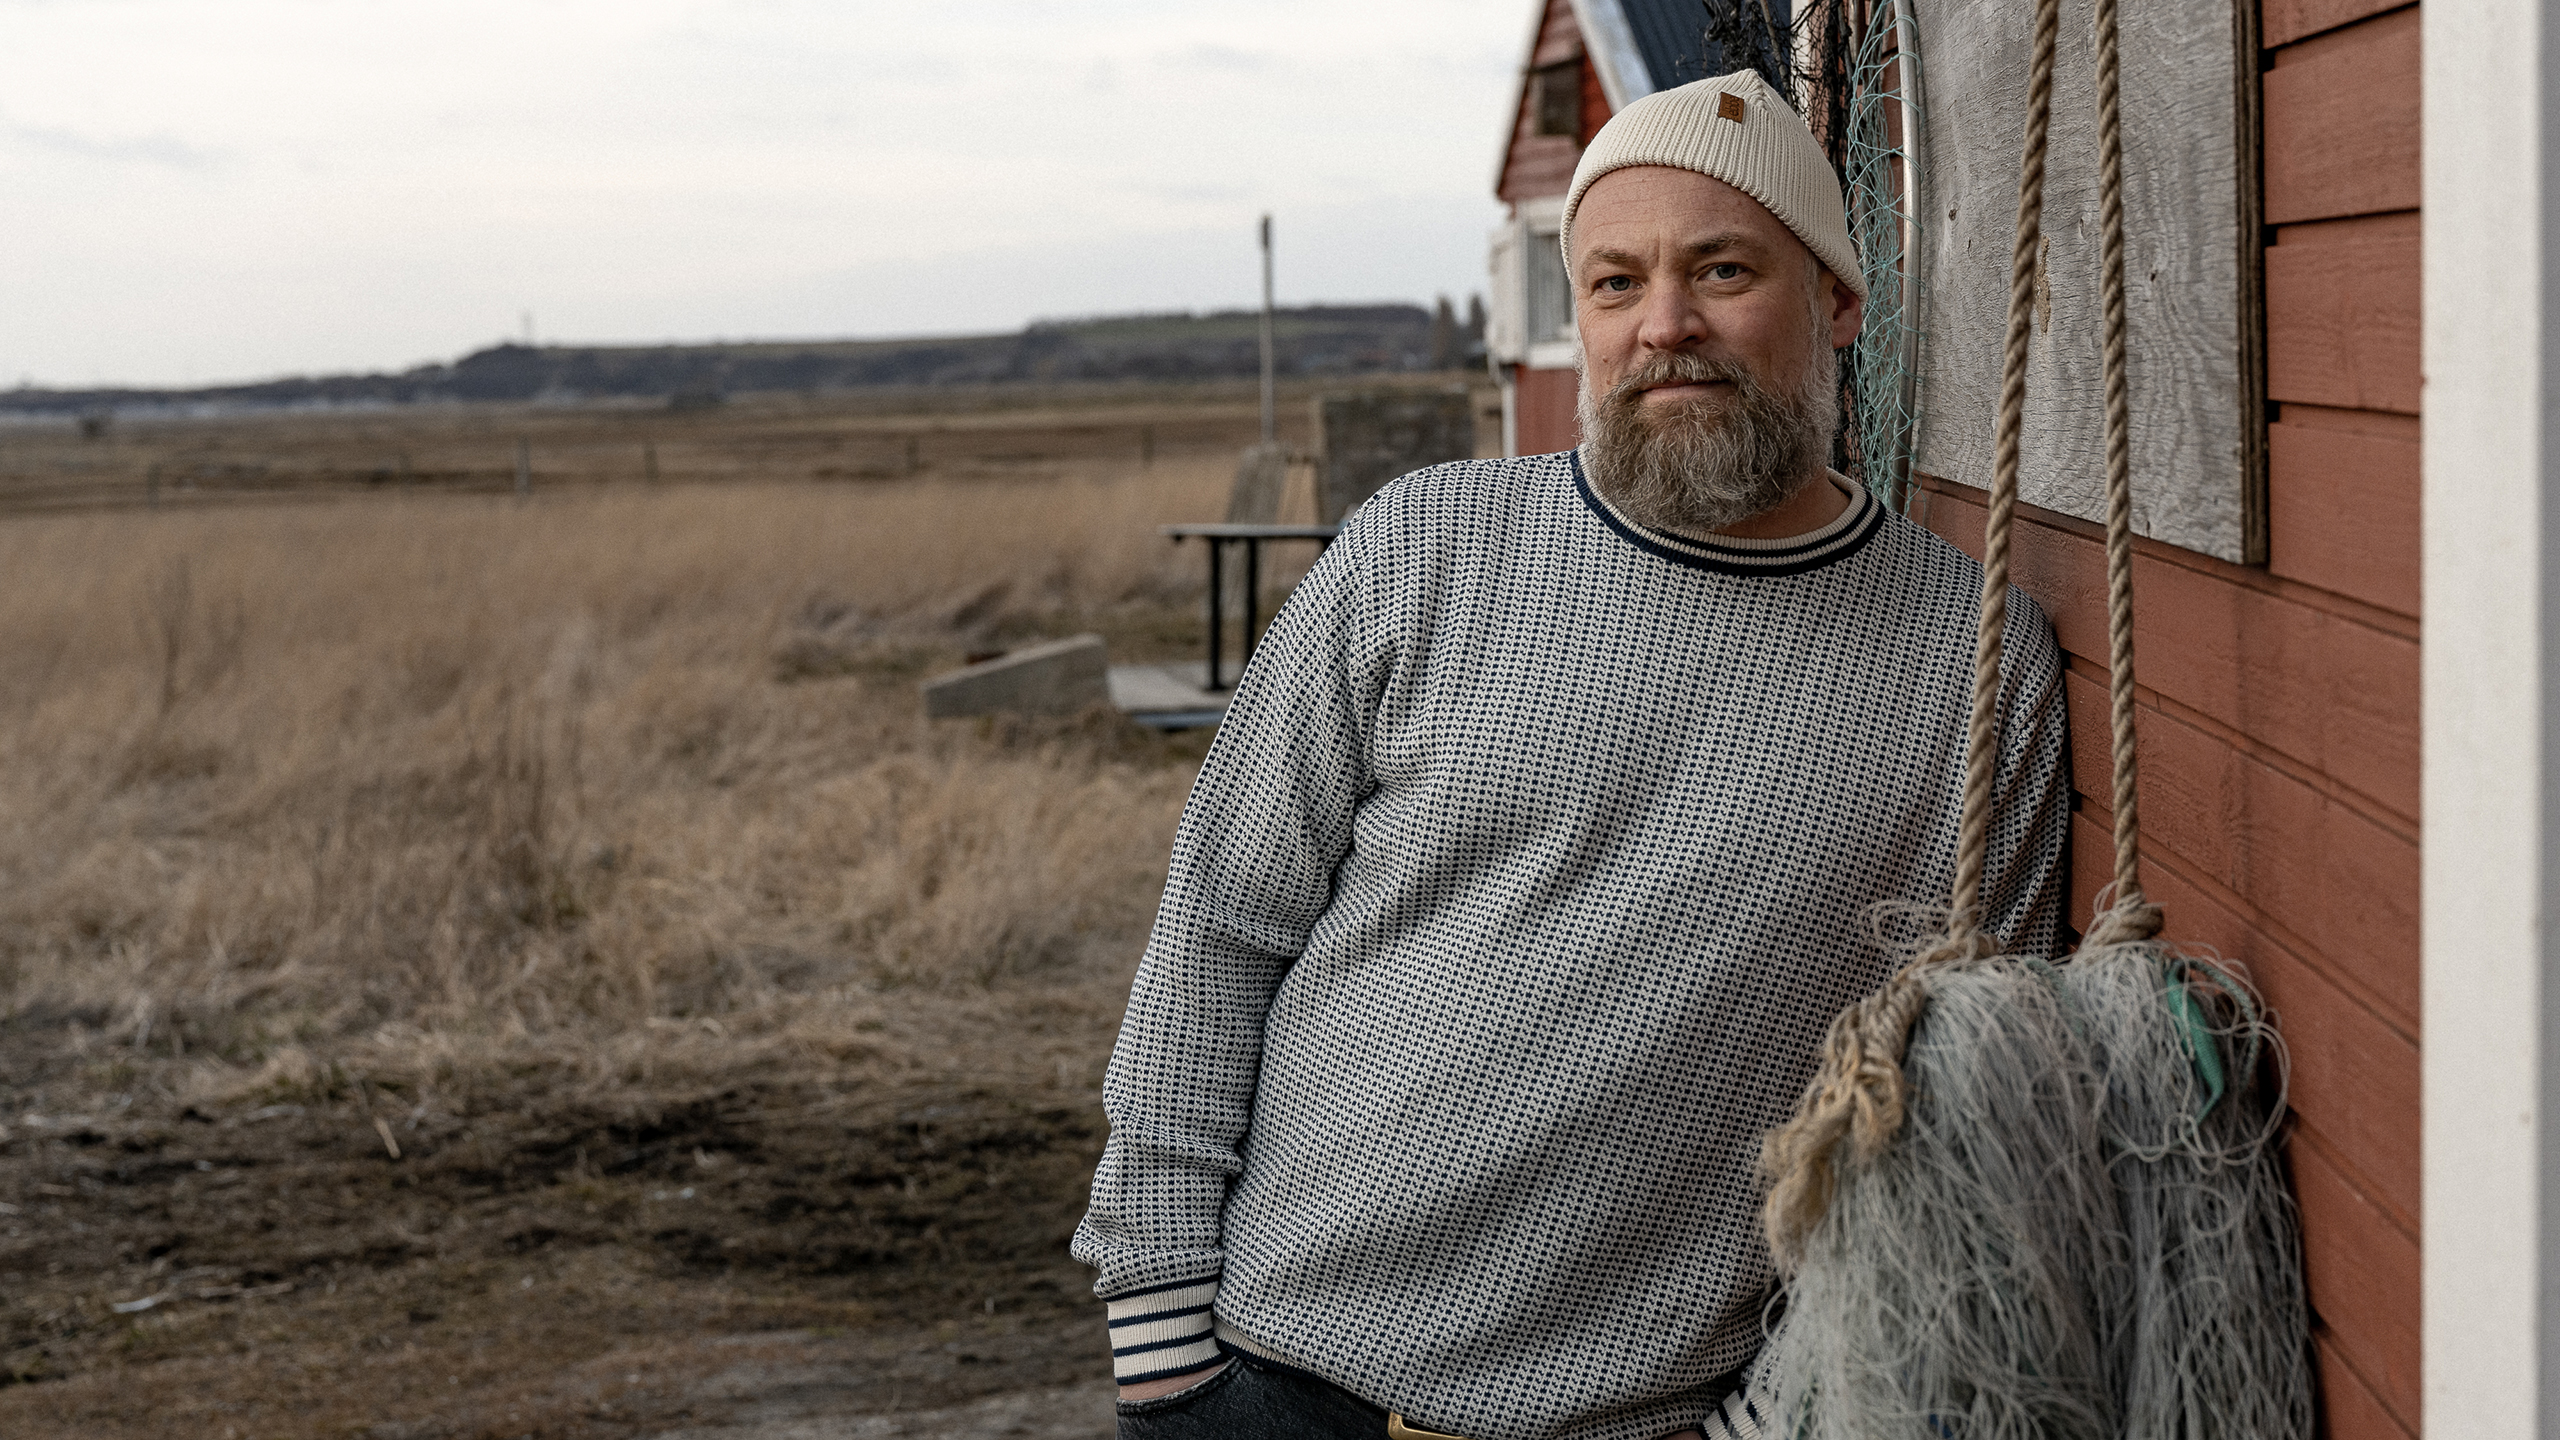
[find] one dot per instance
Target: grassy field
(960, 433)
(479, 967)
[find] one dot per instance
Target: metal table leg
(1252, 597)
(1217, 607)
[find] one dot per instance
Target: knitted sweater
(1529, 866)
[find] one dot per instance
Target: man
(1534, 856)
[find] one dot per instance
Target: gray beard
(1707, 463)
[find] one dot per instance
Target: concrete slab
(1059, 677)
(1167, 697)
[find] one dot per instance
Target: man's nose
(1670, 320)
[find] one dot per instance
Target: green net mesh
(1877, 169)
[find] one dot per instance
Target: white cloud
(215, 190)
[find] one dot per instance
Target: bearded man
(1532, 860)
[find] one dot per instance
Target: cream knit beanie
(1735, 129)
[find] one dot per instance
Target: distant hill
(1313, 340)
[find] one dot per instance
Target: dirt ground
(755, 1263)
(749, 1159)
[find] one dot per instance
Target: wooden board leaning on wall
(2195, 321)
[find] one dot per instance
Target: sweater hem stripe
(1191, 1365)
(1163, 1330)
(1160, 1316)
(1151, 1346)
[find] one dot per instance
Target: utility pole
(1270, 395)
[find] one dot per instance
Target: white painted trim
(2491, 768)
(1611, 45)
(1554, 355)
(1506, 329)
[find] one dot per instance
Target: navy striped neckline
(1844, 536)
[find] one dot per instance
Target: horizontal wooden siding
(2279, 706)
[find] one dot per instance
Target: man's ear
(1848, 310)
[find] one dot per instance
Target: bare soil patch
(726, 1263)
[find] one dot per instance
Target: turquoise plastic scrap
(2201, 1044)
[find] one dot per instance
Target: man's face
(1708, 332)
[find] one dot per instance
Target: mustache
(1681, 367)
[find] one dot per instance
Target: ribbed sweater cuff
(1163, 1331)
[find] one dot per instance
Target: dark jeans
(1246, 1401)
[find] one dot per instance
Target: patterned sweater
(1528, 867)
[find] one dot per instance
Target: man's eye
(1726, 271)
(1617, 284)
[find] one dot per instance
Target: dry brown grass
(430, 788)
(594, 852)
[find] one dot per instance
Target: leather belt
(1398, 1430)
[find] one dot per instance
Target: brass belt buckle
(1398, 1430)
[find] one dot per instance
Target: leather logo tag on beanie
(1730, 107)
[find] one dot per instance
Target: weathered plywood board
(2191, 290)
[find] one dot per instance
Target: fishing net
(1946, 1290)
(1851, 68)
(2028, 1201)
(1880, 179)
(2106, 1250)
(2209, 1302)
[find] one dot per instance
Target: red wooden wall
(1543, 410)
(2279, 706)
(1535, 165)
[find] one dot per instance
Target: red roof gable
(1535, 165)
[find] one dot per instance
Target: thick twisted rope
(1859, 1093)
(2132, 917)
(1982, 751)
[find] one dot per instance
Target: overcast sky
(205, 190)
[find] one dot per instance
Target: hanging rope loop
(1858, 1094)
